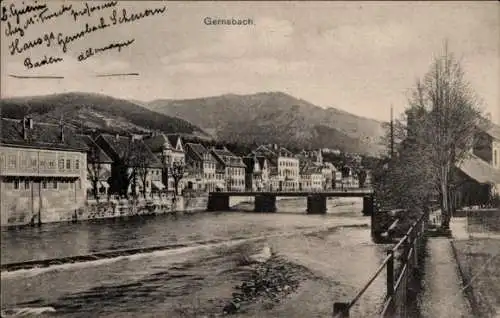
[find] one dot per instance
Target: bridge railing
(402, 267)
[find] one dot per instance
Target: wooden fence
(402, 265)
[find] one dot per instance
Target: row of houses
(52, 167)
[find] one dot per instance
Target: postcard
(249, 158)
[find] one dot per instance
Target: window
(54, 184)
(44, 184)
(16, 184)
(26, 184)
(77, 164)
(68, 164)
(12, 161)
(52, 164)
(60, 164)
(42, 164)
(495, 157)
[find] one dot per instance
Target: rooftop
(99, 153)
(131, 150)
(40, 135)
(480, 170)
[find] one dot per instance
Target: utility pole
(392, 134)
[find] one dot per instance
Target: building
(43, 170)
(478, 178)
(284, 170)
(315, 158)
(98, 170)
(311, 177)
(202, 167)
(135, 169)
(327, 170)
(487, 145)
(234, 169)
(256, 173)
(337, 178)
(169, 149)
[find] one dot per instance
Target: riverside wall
(106, 209)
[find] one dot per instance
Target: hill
(276, 117)
(94, 111)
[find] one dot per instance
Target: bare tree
(443, 118)
(94, 168)
(452, 118)
(141, 165)
(177, 172)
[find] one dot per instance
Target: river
(196, 277)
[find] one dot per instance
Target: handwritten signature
(93, 51)
(21, 18)
(44, 61)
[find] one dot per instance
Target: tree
(94, 168)
(177, 172)
(442, 119)
(141, 165)
(450, 118)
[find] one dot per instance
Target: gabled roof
(132, 151)
(100, 154)
(262, 161)
(282, 151)
(249, 163)
(197, 150)
(228, 158)
(41, 136)
(480, 170)
(308, 168)
(494, 131)
(157, 142)
(173, 139)
(265, 152)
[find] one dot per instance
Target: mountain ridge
(280, 116)
(95, 111)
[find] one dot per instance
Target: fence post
(341, 310)
(390, 274)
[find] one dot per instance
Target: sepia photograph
(249, 159)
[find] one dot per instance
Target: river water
(196, 279)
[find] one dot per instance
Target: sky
(361, 57)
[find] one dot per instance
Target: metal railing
(402, 269)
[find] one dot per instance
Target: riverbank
(330, 257)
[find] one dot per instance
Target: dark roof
(265, 152)
(494, 131)
(249, 163)
(172, 138)
(101, 155)
(307, 167)
(197, 149)
(155, 143)
(261, 160)
(228, 158)
(42, 136)
(480, 170)
(121, 147)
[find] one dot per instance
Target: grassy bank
(479, 265)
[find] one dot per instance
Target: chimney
(27, 125)
(62, 131)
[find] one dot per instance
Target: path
(442, 294)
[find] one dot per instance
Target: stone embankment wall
(105, 209)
